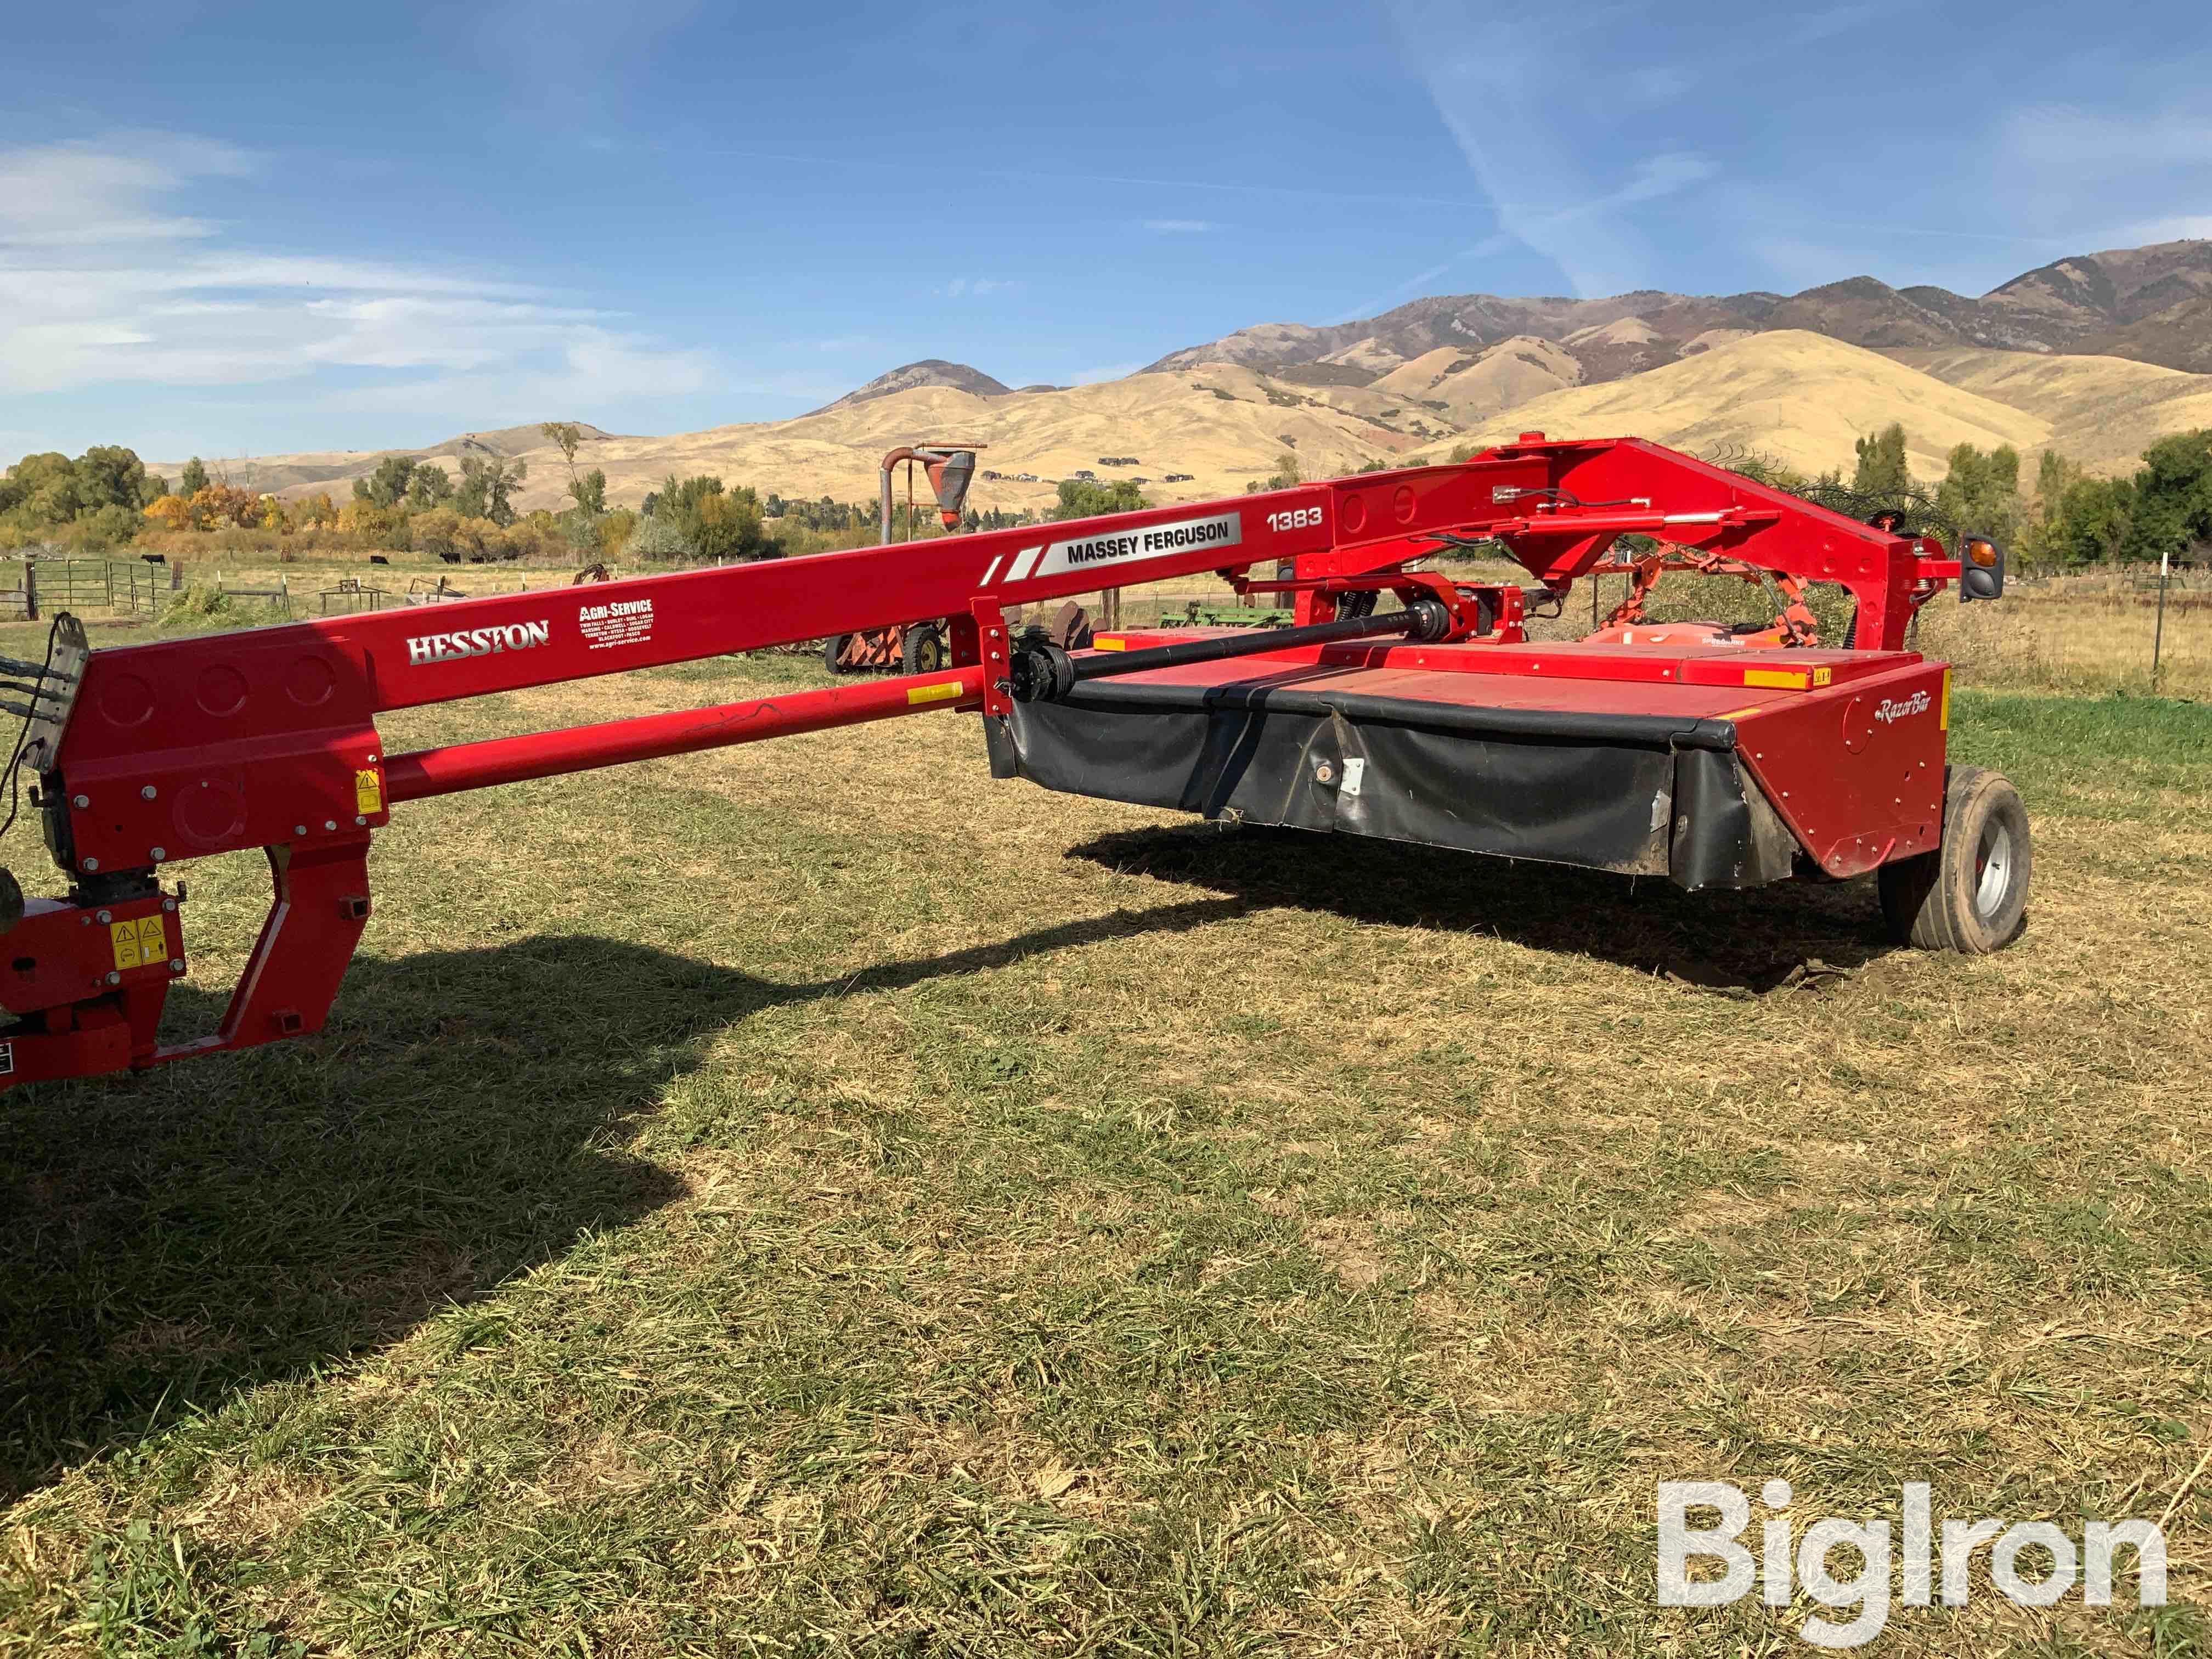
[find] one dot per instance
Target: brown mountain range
(2094, 356)
(2152, 304)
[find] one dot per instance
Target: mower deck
(1716, 766)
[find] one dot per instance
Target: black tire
(832, 648)
(1971, 894)
(922, 651)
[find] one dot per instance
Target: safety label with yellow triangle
(139, 943)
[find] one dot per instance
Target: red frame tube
(445, 771)
(267, 738)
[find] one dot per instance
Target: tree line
(106, 497)
(2070, 520)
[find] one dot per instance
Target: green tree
(43, 489)
(431, 486)
(656, 539)
(1086, 498)
(590, 492)
(566, 437)
(714, 522)
(2052, 474)
(1285, 475)
(2172, 497)
(108, 474)
(388, 485)
(1981, 493)
(1882, 470)
(487, 487)
(2094, 521)
(193, 479)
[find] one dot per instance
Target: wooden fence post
(30, 588)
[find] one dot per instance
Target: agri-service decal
(617, 622)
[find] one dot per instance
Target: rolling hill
(1799, 397)
(2094, 356)
(2152, 304)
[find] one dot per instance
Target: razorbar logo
(1896, 709)
(477, 642)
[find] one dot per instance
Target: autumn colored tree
(171, 512)
(363, 517)
(216, 505)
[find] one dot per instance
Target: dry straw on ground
(810, 1198)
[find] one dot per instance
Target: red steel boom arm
(151, 754)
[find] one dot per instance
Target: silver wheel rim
(1992, 868)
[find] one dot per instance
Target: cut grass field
(808, 1198)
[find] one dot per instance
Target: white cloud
(981, 288)
(100, 284)
(64, 194)
(1174, 227)
(1499, 103)
(2075, 140)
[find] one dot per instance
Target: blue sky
(241, 229)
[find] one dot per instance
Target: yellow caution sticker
(1943, 711)
(1822, 676)
(939, 693)
(1782, 679)
(1109, 642)
(368, 791)
(138, 943)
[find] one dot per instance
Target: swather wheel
(922, 650)
(832, 648)
(1971, 894)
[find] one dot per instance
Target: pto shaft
(1042, 672)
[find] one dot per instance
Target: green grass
(809, 1199)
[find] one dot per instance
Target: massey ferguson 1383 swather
(1716, 757)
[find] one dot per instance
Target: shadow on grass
(169, 1239)
(1745, 943)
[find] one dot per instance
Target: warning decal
(368, 791)
(138, 943)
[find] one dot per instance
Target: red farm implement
(1711, 758)
(916, 647)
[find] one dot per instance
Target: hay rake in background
(1717, 761)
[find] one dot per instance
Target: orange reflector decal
(1741, 714)
(1107, 642)
(1782, 679)
(939, 693)
(1943, 713)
